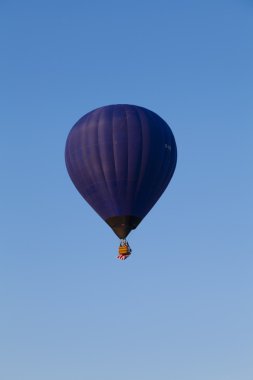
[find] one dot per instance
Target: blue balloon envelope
(121, 158)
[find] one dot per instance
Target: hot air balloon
(121, 158)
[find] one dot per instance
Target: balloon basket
(124, 250)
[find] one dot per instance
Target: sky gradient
(181, 306)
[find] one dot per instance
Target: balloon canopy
(121, 158)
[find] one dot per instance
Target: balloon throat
(124, 250)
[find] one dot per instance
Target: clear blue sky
(181, 307)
